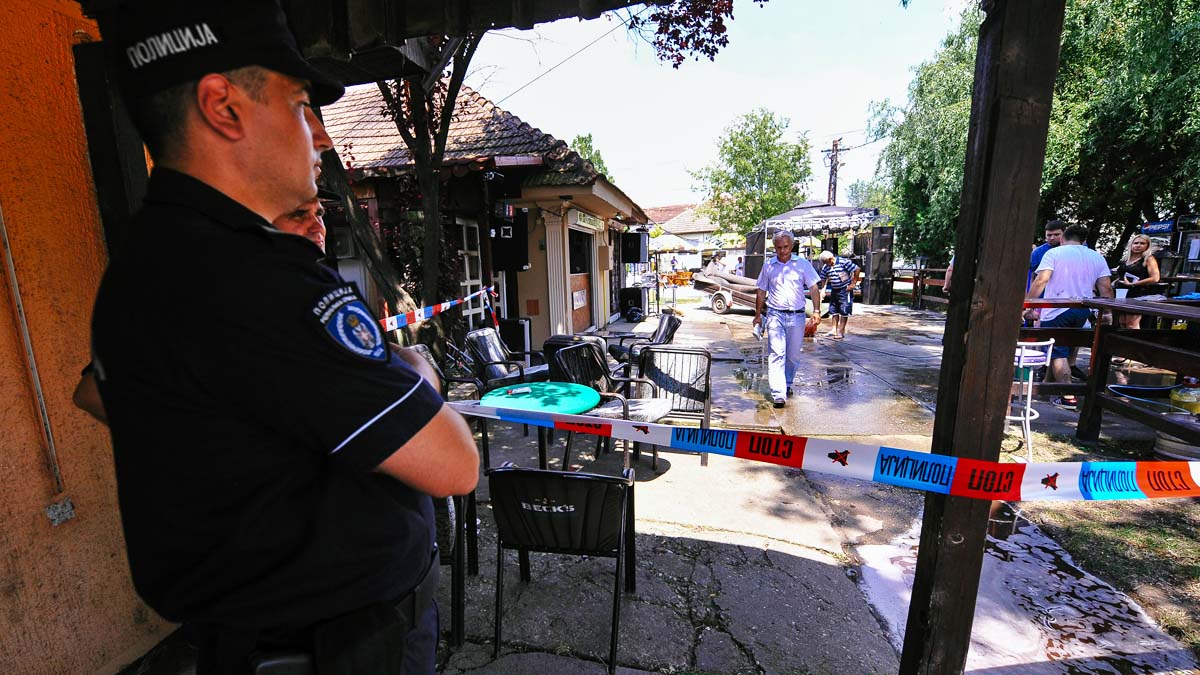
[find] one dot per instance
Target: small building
(525, 212)
(688, 223)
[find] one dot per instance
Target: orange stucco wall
(66, 602)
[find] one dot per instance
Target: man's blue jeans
(785, 340)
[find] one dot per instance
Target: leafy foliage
(871, 194)
(583, 145)
(758, 174)
(684, 28)
(1124, 139)
(922, 166)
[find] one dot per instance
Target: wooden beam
(114, 146)
(1179, 425)
(1015, 66)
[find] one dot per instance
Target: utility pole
(832, 161)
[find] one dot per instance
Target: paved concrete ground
(742, 567)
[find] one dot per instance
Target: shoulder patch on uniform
(346, 319)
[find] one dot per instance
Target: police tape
(956, 476)
(422, 313)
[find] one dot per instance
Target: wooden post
(1015, 67)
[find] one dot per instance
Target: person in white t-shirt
(1070, 270)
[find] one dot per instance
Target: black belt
(786, 311)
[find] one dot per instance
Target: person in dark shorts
(1070, 270)
(840, 275)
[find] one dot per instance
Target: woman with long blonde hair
(1137, 272)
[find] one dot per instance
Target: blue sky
(819, 64)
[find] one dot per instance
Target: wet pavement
(1036, 611)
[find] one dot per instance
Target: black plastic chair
(567, 513)
(683, 376)
(584, 364)
(556, 342)
(456, 518)
(496, 366)
(630, 345)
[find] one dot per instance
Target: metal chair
(556, 342)
(456, 519)
(1029, 356)
(683, 376)
(584, 364)
(495, 363)
(567, 513)
(629, 345)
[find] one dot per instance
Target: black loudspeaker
(634, 297)
(881, 238)
(515, 333)
(754, 254)
(635, 247)
(510, 243)
(877, 286)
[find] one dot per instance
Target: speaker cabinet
(635, 247)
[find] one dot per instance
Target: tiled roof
(689, 221)
(661, 214)
(366, 138)
(563, 166)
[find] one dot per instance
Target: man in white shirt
(780, 297)
(716, 265)
(1070, 270)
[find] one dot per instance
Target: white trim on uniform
(376, 418)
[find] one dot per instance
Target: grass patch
(1147, 549)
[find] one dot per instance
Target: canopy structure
(813, 217)
(669, 243)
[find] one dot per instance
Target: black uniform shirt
(250, 395)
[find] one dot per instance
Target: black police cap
(161, 43)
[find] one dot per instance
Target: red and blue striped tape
(957, 476)
(423, 313)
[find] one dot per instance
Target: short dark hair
(160, 118)
(1076, 233)
(1055, 224)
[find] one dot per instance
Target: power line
(576, 53)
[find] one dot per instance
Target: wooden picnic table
(1174, 350)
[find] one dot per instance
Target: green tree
(1124, 138)
(583, 145)
(872, 194)
(922, 166)
(758, 173)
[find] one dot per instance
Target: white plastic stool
(1028, 357)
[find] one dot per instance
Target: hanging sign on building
(589, 220)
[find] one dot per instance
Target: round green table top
(553, 397)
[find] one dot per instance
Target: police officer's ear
(221, 105)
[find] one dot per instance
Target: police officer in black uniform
(274, 458)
